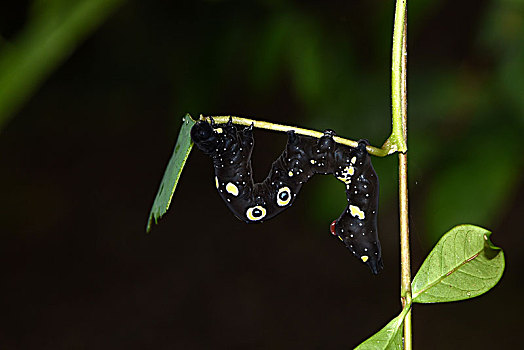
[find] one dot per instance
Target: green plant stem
(399, 135)
(397, 141)
(379, 152)
(405, 278)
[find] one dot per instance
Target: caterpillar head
(365, 247)
(204, 136)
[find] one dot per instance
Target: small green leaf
(464, 264)
(389, 337)
(172, 174)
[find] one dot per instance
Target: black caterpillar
(230, 148)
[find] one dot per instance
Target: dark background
(81, 161)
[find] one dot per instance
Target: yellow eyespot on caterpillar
(283, 196)
(256, 213)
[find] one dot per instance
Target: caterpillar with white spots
(230, 148)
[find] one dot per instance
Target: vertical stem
(403, 199)
(397, 137)
(405, 277)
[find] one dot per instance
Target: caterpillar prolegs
(230, 148)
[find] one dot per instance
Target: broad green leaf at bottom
(172, 174)
(389, 337)
(463, 265)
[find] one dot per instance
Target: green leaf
(172, 174)
(389, 337)
(464, 264)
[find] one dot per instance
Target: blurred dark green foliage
(52, 31)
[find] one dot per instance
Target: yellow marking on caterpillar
(364, 258)
(230, 188)
(345, 180)
(219, 130)
(356, 212)
(290, 173)
(353, 160)
(216, 182)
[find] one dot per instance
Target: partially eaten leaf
(172, 174)
(463, 265)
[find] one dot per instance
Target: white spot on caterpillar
(356, 212)
(231, 188)
(290, 173)
(256, 213)
(312, 161)
(216, 182)
(364, 258)
(353, 160)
